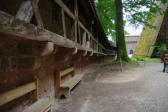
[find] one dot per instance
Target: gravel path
(138, 89)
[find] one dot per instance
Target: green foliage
(106, 14)
(140, 12)
(137, 12)
(161, 50)
(162, 47)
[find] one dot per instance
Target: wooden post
(36, 92)
(79, 33)
(76, 20)
(37, 13)
(58, 83)
(63, 21)
(88, 42)
(76, 33)
(97, 44)
(121, 66)
(25, 11)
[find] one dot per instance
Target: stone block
(28, 63)
(27, 47)
(4, 64)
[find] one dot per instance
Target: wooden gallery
(46, 46)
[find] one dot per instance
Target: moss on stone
(149, 35)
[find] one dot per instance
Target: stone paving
(138, 89)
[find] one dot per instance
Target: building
(131, 42)
(43, 45)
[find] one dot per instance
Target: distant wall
(131, 42)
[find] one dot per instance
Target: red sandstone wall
(21, 62)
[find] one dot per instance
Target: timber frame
(12, 26)
(52, 41)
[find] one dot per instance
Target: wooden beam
(63, 22)
(25, 11)
(16, 93)
(37, 13)
(66, 9)
(22, 30)
(84, 28)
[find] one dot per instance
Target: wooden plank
(65, 72)
(16, 93)
(40, 106)
(71, 83)
(25, 11)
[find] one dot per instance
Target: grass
(146, 59)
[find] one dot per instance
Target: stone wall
(23, 61)
(131, 42)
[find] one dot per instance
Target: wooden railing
(91, 42)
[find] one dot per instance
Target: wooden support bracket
(85, 53)
(75, 51)
(91, 54)
(48, 49)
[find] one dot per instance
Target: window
(131, 51)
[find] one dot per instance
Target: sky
(132, 30)
(129, 28)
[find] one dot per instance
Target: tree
(136, 11)
(106, 11)
(119, 28)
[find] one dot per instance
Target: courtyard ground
(138, 88)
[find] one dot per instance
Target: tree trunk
(119, 27)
